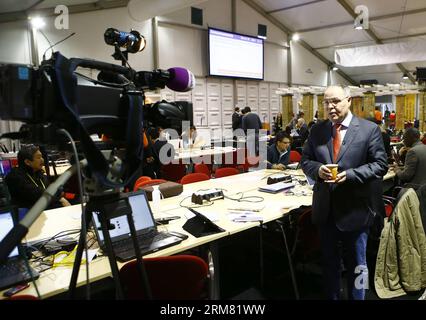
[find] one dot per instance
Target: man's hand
(325, 173)
(278, 166)
(341, 177)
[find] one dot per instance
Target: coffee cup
(333, 168)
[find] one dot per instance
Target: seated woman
(27, 182)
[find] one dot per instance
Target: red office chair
(194, 177)
(181, 277)
(307, 239)
(224, 172)
(295, 156)
(141, 179)
(390, 203)
(250, 162)
(151, 182)
(173, 172)
(202, 168)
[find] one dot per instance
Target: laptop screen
(142, 217)
(6, 224)
(5, 167)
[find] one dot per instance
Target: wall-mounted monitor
(235, 55)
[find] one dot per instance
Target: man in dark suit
(251, 125)
(345, 208)
(236, 119)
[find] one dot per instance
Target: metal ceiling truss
(48, 12)
(349, 23)
(289, 32)
(295, 6)
(370, 32)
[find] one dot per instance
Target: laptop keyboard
(12, 268)
(144, 240)
(13, 272)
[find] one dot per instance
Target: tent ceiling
(324, 25)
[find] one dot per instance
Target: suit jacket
(355, 202)
(415, 165)
(236, 120)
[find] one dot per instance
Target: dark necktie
(336, 141)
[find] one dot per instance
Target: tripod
(108, 206)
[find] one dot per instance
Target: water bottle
(156, 197)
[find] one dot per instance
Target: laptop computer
(14, 270)
(149, 238)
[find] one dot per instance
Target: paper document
(276, 187)
(245, 216)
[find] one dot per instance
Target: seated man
(414, 170)
(279, 153)
(27, 182)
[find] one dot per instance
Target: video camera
(55, 96)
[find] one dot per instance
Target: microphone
(181, 79)
(176, 78)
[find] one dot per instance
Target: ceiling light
(37, 22)
(335, 68)
(405, 76)
(359, 24)
(295, 37)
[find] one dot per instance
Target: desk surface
(274, 206)
(197, 152)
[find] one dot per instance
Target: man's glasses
(334, 102)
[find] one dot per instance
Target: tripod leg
(290, 262)
(111, 256)
(78, 255)
(141, 265)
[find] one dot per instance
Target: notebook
(149, 238)
(276, 187)
(14, 270)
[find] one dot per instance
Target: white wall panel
(88, 42)
(15, 43)
(241, 94)
(183, 47)
(253, 95)
(167, 94)
(275, 63)
(199, 102)
(306, 68)
(214, 102)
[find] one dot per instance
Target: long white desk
(186, 154)
(56, 281)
